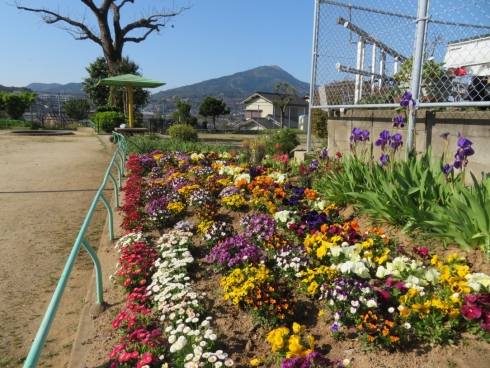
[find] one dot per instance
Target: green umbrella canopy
(130, 81)
(134, 80)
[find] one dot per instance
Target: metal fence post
(418, 57)
(313, 74)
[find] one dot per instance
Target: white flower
(212, 358)
(218, 364)
(205, 323)
(189, 356)
(202, 343)
(391, 309)
(371, 303)
(228, 362)
(345, 362)
(213, 337)
(353, 310)
(171, 339)
(354, 303)
(407, 325)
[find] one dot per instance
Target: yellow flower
(297, 328)
(257, 361)
(311, 341)
(321, 313)
(275, 337)
(295, 347)
(445, 274)
(462, 270)
(313, 287)
(422, 308)
(453, 313)
(454, 257)
(460, 287)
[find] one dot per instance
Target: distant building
(54, 97)
(261, 113)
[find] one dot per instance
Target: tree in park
(183, 112)
(15, 104)
(99, 96)
(286, 94)
(77, 108)
(109, 33)
(210, 106)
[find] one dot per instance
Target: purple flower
(398, 121)
(447, 169)
(396, 141)
(323, 154)
(458, 164)
(463, 142)
(444, 135)
(384, 159)
(407, 100)
(335, 326)
(384, 138)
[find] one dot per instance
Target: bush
(106, 120)
(183, 132)
(282, 141)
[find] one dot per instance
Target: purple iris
(384, 159)
(444, 135)
(396, 141)
(407, 100)
(463, 142)
(384, 138)
(398, 122)
(359, 136)
(323, 154)
(447, 169)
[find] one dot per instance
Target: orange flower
(386, 331)
(394, 339)
(324, 228)
(370, 338)
(389, 323)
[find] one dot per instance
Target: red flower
(278, 145)
(338, 154)
(471, 312)
(485, 327)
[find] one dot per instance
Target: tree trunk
(214, 122)
(282, 117)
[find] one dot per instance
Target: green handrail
(42, 333)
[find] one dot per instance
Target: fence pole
(313, 73)
(420, 33)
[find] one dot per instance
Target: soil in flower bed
(243, 340)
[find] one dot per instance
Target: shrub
(106, 120)
(282, 141)
(183, 132)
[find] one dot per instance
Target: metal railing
(42, 333)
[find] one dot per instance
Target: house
(261, 113)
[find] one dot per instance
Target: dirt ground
(47, 185)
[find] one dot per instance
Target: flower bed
(290, 250)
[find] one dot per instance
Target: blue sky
(212, 39)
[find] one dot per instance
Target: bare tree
(286, 94)
(111, 41)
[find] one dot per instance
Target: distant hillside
(232, 88)
(76, 88)
(13, 89)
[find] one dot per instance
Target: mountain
(74, 88)
(232, 88)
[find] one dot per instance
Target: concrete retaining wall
(473, 125)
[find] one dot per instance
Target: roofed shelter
(129, 81)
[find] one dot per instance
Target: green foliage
(107, 120)
(183, 113)
(213, 107)
(282, 141)
(148, 143)
(77, 108)
(99, 96)
(463, 218)
(183, 132)
(15, 104)
(319, 120)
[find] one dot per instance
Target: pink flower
(471, 312)
(485, 327)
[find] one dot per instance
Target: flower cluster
(234, 252)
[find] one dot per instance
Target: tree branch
(152, 22)
(124, 2)
(50, 17)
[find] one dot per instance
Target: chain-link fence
(367, 53)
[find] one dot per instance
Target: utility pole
(59, 109)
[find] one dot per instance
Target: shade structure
(129, 81)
